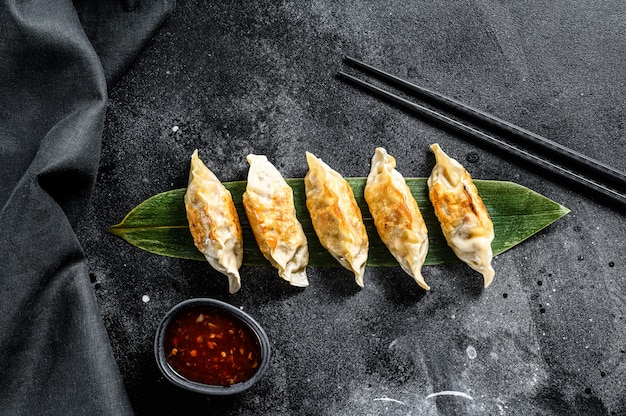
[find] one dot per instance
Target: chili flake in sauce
(211, 346)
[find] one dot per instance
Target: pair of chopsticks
(583, 173)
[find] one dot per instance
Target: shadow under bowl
(211, 347)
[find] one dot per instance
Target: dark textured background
(237, 77)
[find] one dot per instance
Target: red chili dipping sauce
(210, 346)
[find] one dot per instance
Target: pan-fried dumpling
(336, 217)
(396, 214)
(271, 212)
(465, 222)
(213, 222)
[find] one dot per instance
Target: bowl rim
(198, 387)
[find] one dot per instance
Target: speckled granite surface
(232, 78)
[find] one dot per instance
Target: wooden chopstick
(578, 180)
(519, 135)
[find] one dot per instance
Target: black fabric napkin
(57, 60)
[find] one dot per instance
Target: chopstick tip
(342, 75)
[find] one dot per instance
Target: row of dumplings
(336, 218)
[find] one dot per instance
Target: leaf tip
(116, 230)
(564, 210)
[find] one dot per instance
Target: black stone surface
(235, 77)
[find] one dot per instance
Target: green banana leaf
(159, 224)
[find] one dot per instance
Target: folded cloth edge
(56, 353)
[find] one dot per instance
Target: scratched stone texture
(236, 77)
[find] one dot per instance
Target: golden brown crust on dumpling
(336, 217)
(396, 214)
(464, 220)
(268, 232)
(213, 222)
(269, 205)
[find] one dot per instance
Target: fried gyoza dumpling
(397, 217)
(271, 212)
(465, 222)
(213, 222)
(336, 217)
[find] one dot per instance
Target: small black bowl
(229, 311)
